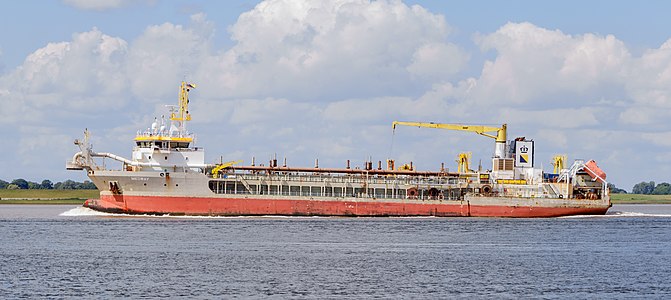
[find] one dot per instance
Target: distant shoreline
(640, 199)
(43, 201)
(51, 197)
(77, 197)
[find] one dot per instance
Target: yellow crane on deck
(558, 161)
(499, 136)
(220, 167)
(463, 161)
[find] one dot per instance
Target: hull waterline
(157, 205)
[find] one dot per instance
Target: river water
(73, 252)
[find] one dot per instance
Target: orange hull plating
(289, 207)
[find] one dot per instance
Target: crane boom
(479, 129)
(483, 130)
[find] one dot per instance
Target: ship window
(176, 145)
(218, 186)
(337, 192)
(295, 190)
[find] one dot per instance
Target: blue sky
(324, 79)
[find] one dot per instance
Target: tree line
(22, 184)
(644, 188)
(650, 188)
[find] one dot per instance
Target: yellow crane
(220, 167)
(499, 136)
(558, 162)
(463, 160)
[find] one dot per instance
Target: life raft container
(594, 171)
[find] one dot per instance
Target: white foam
(637, 214)
(81, 211)
(620, 214)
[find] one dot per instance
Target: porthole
(176, 184)
(145, 184)
(166, 158)
(149, 157)
(165, 184)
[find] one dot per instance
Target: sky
(324, 80)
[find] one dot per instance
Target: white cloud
(643, 115)
(437, 61)
(555, 118)
(84, 74)
(533, 62)
(658, 138)
(97, 4)
(326, 78)
(650, 79)
(334, 48)
(67, 67)
(163, 55)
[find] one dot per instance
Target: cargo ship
(167, 174)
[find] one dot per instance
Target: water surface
(69, 251)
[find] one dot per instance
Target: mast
(182, 114)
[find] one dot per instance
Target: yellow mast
(183, 112)
(178, 114)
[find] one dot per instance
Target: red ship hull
(317, 207)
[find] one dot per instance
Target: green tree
(87, 185)
(34, 185)
(3, 184)
(616, 190)
(69, 185)
(46, 184)
(645, 188)
(663, 188)
(21, 183)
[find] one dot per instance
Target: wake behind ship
(167, 174)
